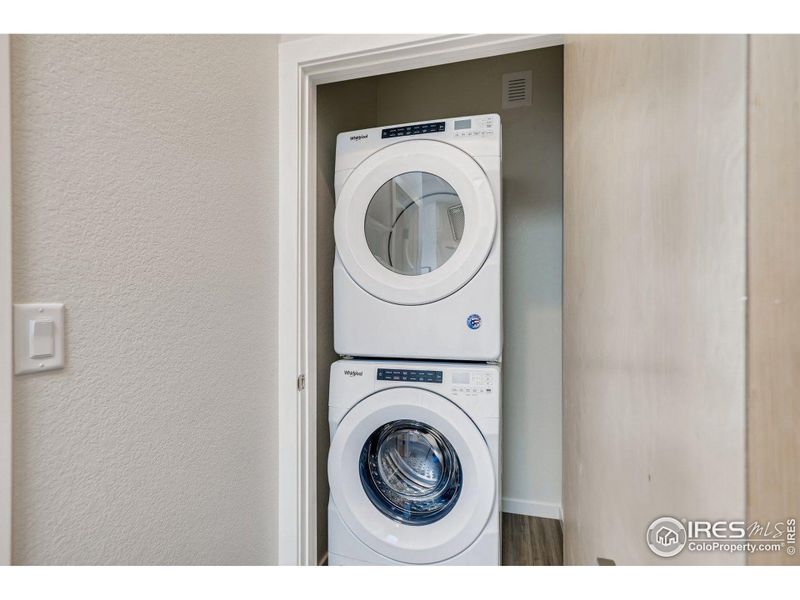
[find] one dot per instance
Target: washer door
(415, 221)
(411, 475)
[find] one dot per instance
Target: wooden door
(654, 290)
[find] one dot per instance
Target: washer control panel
(417, 375)
(468, 383)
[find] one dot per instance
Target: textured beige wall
(145, 200)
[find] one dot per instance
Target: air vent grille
(517, 89)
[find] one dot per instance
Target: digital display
(463, 124)
(409, 375)
(416, 129)
(461, 378)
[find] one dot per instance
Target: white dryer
(418, 268)
(414, 463)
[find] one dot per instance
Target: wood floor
(531, 541)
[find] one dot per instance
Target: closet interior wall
(340, 107)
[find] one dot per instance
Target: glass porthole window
(414, 223)
(410, 472)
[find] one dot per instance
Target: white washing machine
(414, 463)
(418, 269)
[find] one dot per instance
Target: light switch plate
(25, 316)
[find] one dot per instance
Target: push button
(41, 340)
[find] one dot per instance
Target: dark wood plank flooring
(531, 541)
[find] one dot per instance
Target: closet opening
(525, 91)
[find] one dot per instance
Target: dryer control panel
(474, 126)
(477, 135)
(414, 129)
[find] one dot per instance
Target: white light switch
(41, 341)
(38, 337)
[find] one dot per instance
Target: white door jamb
(6, 356)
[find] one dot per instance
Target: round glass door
(410, 472)
(411, 475)
(414, 223)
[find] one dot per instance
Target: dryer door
(411, 475)
(415, 221)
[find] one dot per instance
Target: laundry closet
(526, 90)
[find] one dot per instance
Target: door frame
(6, 355)
(304, 64)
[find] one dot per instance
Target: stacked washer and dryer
(414, 409)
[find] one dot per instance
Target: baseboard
(545, 510)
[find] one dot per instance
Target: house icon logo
(666, 537)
